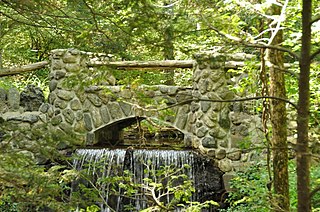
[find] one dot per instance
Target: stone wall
(87, 109)
(21, 107)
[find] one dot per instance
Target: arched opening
(140, 132)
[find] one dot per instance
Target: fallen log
(24, 68)
(155, 64)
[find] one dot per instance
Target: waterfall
(141, 163)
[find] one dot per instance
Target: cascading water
(107, 163)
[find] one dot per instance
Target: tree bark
(22, 69)
(168, 47)
(303, 153)
(1, 66)
(279, 123)
(155, 64)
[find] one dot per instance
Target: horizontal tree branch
(24, 68)
(229, 100)
(314, 54)
(255, 44)
(315, 19)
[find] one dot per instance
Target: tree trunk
(279, 123)
(168, 47)
(303, 153)
(1, 65)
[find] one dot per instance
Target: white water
(106, 163)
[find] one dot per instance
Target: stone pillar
(64, 115)
(209, 120)
(73, 112)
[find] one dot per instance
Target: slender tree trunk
(303, 153)
(168, 47)
(279, 123)
(1, 64)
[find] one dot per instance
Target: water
(142, 164)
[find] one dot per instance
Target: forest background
(276, 32)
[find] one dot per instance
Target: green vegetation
(164, 29)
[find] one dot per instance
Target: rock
(87, 121)
(194, 106)
(25, 117)
(65, 95)
(3, 95)
(90, 140)
(220, 154)
(225, 165)
(68, 115)
(44, 108)
(209, 142)
(31, 98)
(226, 180)
(97, 121)
(234, 154)
(115, 110)
(205, 106)
(60, 73)
(94, 99)
(104, 113)
(75, 104)
(224, 120)
(202, 131)
(126, 108)
(56, 120)
(13, 99)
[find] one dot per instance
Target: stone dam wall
(96, 113)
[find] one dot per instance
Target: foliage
(28, 182)
(161, 189)
(250, 189)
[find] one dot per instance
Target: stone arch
(111, 133)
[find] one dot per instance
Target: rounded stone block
(115, 110)
(53, 85)
(94, 99)
(70, 58)
(126, 108)
(79, 126)
(97, 121)
(56, 120)
(234, 154)
(220, 154)
(68, 115)
(209, 142)
(202, 131)
(57, 64)
(65, 95)
(75, 104)
(73, 67)
(87, 121)
(60, 103)
(59, 74)
(104, 113)
(44, 108)
(225, 165)
(66, 127)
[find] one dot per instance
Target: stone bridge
(93, 110)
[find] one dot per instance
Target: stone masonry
(86, 107)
